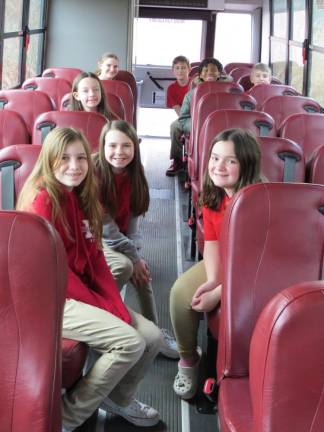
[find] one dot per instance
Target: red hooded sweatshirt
(89, 278)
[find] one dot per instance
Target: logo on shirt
(86, 229)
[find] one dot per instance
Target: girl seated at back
(234, 162)
(88, 95)
(62, 189)
(124, 193)
(108, 66)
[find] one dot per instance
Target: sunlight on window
(158, 41)
(232, 45)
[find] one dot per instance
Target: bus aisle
(165, 239)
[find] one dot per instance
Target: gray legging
(184, 319)
(121, 268)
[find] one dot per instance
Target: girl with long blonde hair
(62, 189)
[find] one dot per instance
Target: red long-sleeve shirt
(89, 278)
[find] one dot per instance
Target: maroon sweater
(89, 278)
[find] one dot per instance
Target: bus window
(316, 80)
(11, 45)
(227, 40)
(278, 44)
(298, 35)
(34, 55)
(316, 53)
(158, 41)
(13, 16)
(11, 62)
(23, 40)
(36, 12)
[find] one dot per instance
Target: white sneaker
(169, 346)
(137, 413)
(64, 429)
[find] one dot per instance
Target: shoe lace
(167, 335)
(139, 407)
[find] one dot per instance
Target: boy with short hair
(177, 90)
(260, 74)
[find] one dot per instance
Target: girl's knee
(153, 337)
(134, 344)
(122, 271)
(128, 269)
(179, 294)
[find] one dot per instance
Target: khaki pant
(121, 268)
(185, 320)
(126, 352)
(176, 143)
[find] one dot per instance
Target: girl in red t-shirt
(125, 196)
(234, 162)
(62, 189)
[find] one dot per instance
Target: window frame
(23, 34)
(306, 46)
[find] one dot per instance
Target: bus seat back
(307, 130)
(115, 104)
(272, 237)
(315, 171)
(280, 107)
(67, 73)
(16, 163)
(286, 361)
(261, 92)
(238, 72)
(55, 88)
(13, 129)
(282, 160)
(206, 104)
(230, 66)
(29, 104)
(124, 92)
(32, 298)
(89, 123)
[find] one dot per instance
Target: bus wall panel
(80, 31)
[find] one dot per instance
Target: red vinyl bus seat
(194, 71)
(280, 107)
(89, 123)
(230, 66)
(272, 237)
(124, 92)
(259, 123)
(198, 92)
(67, 73)
(261, 92)
(16, 162)
(315, 169)
(21, 159)
(55, 88)
(114, 103)
(13, 129)
(128, 77)
(32, 299)
(307, 130)
(238, 72)
(282, 160)
(28, 104)
(200, 109)
(245, 81)
(279, 384)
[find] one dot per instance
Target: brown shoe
(174, 168)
